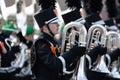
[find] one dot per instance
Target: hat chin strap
(50, 30)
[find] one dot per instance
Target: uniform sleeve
(92, 56)
(45, 55)
(88, 61)
(113, 55)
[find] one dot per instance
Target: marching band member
(26, 73)
(76, 17)
(50, 63)
(8, 56)
(8, 29)
(7, 53)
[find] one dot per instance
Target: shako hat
(46, 16)
(73, 15)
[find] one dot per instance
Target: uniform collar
(49, 38)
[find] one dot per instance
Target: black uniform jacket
(47, 66)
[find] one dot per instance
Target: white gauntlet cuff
(64, 66)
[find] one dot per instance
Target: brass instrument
(113, 41)
(96, 36)
(71, 30)
(26, 70)
(75, 34)
(81, 75)
(20, 57)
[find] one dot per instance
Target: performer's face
(54, 27)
